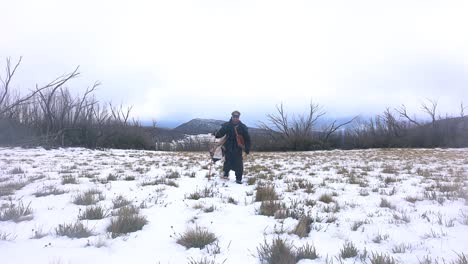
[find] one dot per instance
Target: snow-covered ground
(407, 204)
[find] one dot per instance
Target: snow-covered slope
(409, 205)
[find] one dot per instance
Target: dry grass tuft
(88, 197)
(16, 212)
(278, 252)
(197, 237)
(349, 250)
(75, 230)
(127, 220)
(93, 213)
(266, 193)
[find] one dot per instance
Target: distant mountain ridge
(199, 126)
(203, 126)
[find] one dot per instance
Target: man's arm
(221, 132)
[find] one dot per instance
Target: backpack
(239, 139)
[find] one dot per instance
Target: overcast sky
(176, 60)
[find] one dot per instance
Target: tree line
(393, 128)
(49, 115)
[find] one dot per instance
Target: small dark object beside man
(237, 140)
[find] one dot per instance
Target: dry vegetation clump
(197, 237)
(349, 250)
(49, 190)
(95, 212)
(69, 179)
(74, 230)
(380, 258)
(386, 204)
(355, 226)
(11, 187)
(281, 251)
(112, 177)
(172, 174)
(265, 193)
(326, 198)
(269, 208)
(16, 212)
(127, 220)
(120, 201)
(278, 252)
(251, 180)
(306, 252)
(17, 170)
(89, 197)
(129, 178)
(206, 192)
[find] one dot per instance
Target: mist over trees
(50, 116)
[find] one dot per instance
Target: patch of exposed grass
(129, 178)
(462, 259)
(17, 170)
(413, 199)
(89, 197)
(355, 226)
(74, 230)
(266, 193)
(197, 237)
(93, 213)
(172, 174)
(386, 204)
(326, 198)
(69, 179)
(127, 220)
(204, 193)
(306, 252)
(112, 177)
(379, 238)
(16, 212)
(120, 201)
(48, 190)
(349, 250)
(11, 187)
(269, 208)
(279, 251)
(380, 258)
(251, 180)
(401, 248)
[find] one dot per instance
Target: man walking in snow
(237, 140)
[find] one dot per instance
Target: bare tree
(462, 110)
(403, 113)
(300, 131)
(430, 108)
(333, 127)
(5, 92)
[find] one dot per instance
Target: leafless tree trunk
(430, 108)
